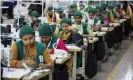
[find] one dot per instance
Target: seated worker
(30, 52)
(50, 15)
(60, 12)
(118, 34)
(82, 9)
(109, 12)
(95, 23)
(49, 39)
(92, 21)
(35, 22)
(82, 6)
(79, 26)
(110, 38)
(112, 13)
(70, 37)
(103, 17)
(55, 44)
(67, 35)
(117, 8)
(72, 8)
(116, 14)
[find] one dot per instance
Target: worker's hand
(61, 34)
(94, 28)
(72, 28)
(42, 65)
(31, 63)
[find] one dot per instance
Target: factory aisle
(119, 66)
(124, 69)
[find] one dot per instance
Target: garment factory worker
(30, 52)
(92, 20)
(112, 13)
(79, 26)
(70, 37)
(60, 12)
(103, 17)
(55, 44)
(118, 9)
(82, 6)
(95, 23)
(73, 7)
(51, 13)
(35, 21)
(49, 39)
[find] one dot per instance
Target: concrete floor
(124, 71)
(119, 66)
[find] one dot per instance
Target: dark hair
(125, 5)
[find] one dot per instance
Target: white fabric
(58, 53)
(14, 73)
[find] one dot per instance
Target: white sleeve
(98, 23)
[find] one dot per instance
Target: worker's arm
(48, 63)
(15, 63)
